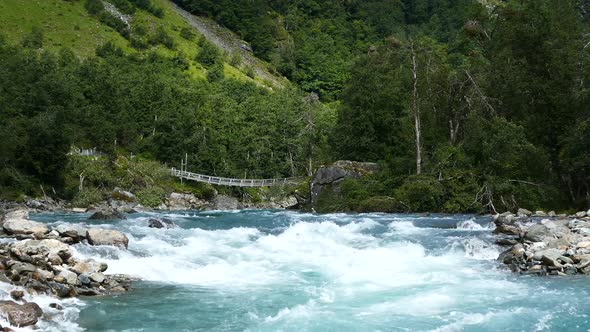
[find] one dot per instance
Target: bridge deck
(233, 182)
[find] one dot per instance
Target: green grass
(68, 24)
(64, 23)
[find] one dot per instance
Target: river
(288, 271)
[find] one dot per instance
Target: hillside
(68, 24)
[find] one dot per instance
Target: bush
(94, 7)
(115, 23)
(215, 73)
(162, 37)
(34, 39)
(421, 193)
(380, 204)
(187, 33)
(124, 6)
(88, 197)
(209, 54)
(151, 197)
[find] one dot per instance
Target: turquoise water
(289, 271)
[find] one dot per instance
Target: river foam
(288, 271)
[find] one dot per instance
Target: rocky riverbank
(40, 260)
(545, 243)
(123, 201)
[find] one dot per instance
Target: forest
(468, 106)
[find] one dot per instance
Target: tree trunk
(416, 112)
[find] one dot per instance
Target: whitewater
(255, 270)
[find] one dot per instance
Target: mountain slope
(68, 24)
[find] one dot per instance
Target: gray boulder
(328, 178)
(223, 202)
(161, 223)
(537, 233)
(121, 195)
(107, 237)
(523, 212)
(20, 314)
(107, 214)
(17, 223)
(580, 214)
(76, 231)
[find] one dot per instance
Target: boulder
(540, 214)
(178, 201)
(17, 223)
(537, 233)
(89, 266)
(223, 202)
(107, 214)
(551, 214)
(121, 195)
(523, 212)
(20, 314)
(580, 214)
(68, 276)
(17, 295)
(106, 237)
(161, 223)
(48, 248)
(75, 231)
(552, 254)
(328, 178)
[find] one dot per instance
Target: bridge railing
(234, 182)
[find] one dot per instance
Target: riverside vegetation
(466, 106)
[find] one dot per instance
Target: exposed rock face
(328, 178)
(556, 246)
(161, 223)
(17, 223)
(20, 314)
(107, 214)
(223, 202)
(107, 237)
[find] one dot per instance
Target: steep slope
(68, 24)
(229, 42)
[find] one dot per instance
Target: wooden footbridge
(234, 182)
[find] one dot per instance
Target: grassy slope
(67, 24)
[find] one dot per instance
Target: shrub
(88, 197)
(124, 6)
(421, 193)
(187, 33)
(209, 54)
(215, 73)
(34, 39)
(162, 37)
(94, 7)
(151, 197)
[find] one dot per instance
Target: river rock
(178, 201)
(537, 233)
(161, 223)
(17, 223)
(107, 237)
(580, 214)
(122, 195)
(523, 212)
(107, 214)
(89, 266)
(75, 231)
(223, 202)
(540, 214)
(70, 277)
(21, 314)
